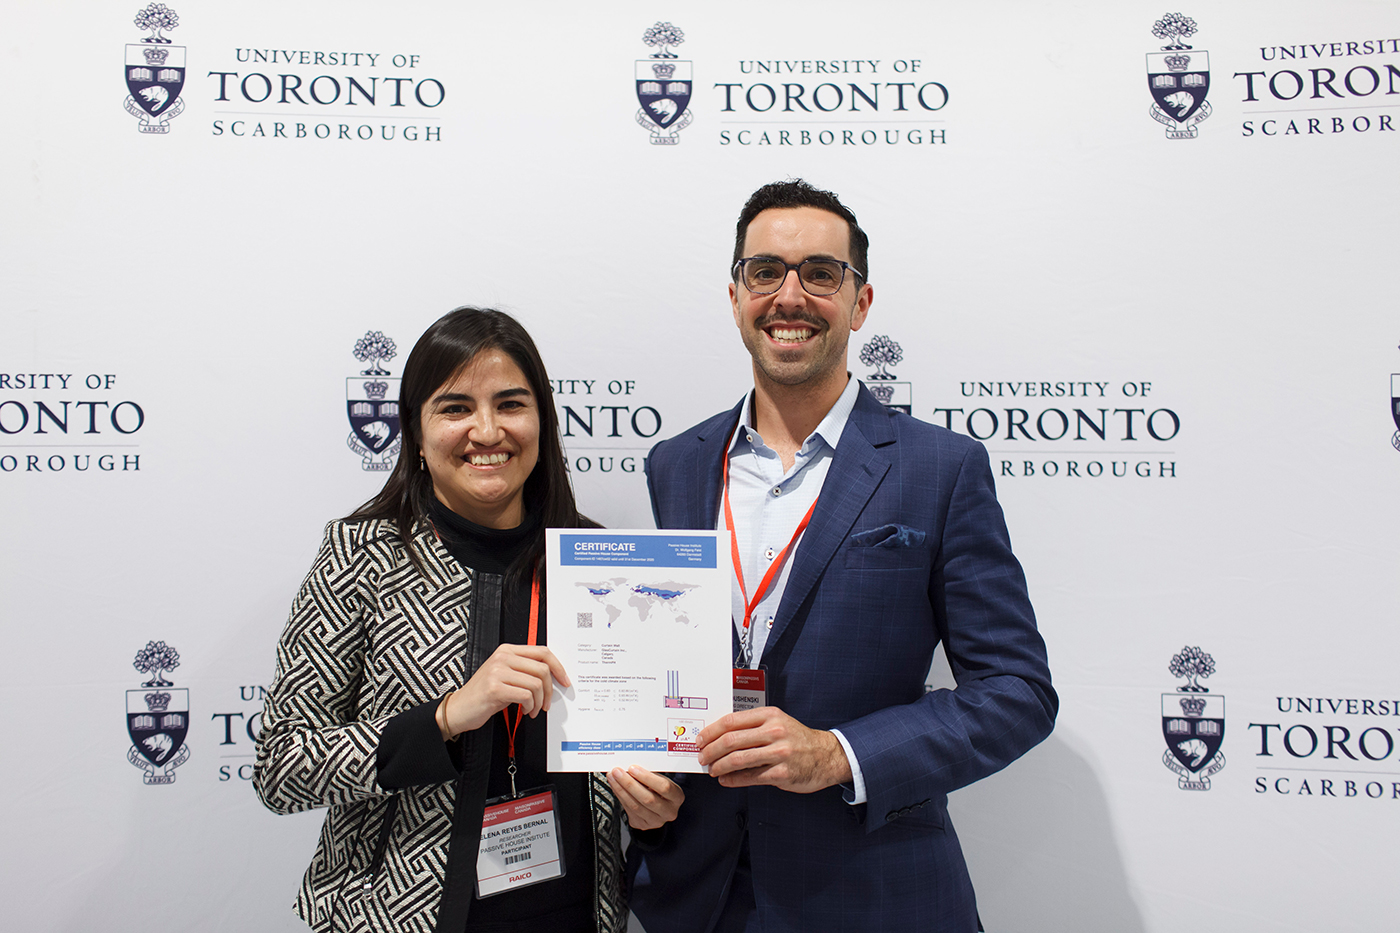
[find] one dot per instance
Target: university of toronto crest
(1178, 77)
(664, 86)
(372, 404)
(882, 352)
(157, 716)
(1193, 722)
(155, 71)
(1395, 408)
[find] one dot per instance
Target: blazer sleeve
(317, 748)
(1003, 704)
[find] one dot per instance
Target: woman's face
(481, 440)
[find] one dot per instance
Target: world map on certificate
(662, 600)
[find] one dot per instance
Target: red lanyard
(534, 635)
(763, 586)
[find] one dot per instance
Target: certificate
(641, 622)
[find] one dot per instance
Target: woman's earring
(422, 464)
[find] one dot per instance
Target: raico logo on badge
(1179, 78)
(373, 404)
(157, 718)
(155, 72)
(1193, 722)
(664, 87)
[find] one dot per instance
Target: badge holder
(750, 687)
(520, 843)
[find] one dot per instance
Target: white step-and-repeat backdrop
(1146, 255)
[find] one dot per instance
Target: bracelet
(440, 717)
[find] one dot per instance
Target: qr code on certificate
(585, 620)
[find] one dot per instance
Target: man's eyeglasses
(820, 278)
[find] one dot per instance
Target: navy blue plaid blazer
(907, 548)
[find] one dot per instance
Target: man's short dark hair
(797, 193)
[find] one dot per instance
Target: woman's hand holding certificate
(513, 674)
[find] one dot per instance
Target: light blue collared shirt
(768, 504)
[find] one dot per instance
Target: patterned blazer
(371, 636)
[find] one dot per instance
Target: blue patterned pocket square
(890, 536)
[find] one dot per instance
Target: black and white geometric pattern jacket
(370, 636)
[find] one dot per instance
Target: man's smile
(794, 329)
(790, 334)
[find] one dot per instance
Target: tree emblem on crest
(1191, 663)
(1174, 27)
(157, 17)
(662, 35)
(373, 347)
(880, 352)
(156, 657)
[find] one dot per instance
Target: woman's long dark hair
(444, 350)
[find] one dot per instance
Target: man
(825, 809)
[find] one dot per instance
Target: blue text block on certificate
(631, 550)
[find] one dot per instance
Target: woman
(407, 677)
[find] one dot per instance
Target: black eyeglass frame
(738, 274)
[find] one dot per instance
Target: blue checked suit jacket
(907, 548)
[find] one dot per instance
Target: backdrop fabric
(1144, 256)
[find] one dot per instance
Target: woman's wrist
(441, 717)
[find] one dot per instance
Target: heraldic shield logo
(157, 716)
(664, 86)
(372, 403)
(155, 72)
(882, 352)
(1193, 722)
(1179, 78)
(1395, 408)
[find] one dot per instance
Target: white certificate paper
(641, 622)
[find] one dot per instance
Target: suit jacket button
(891, 817)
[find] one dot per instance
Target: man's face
(795, 338)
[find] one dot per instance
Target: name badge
(750, 688)
(520, 843)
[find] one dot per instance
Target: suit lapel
(863, 457)
(706, 469)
